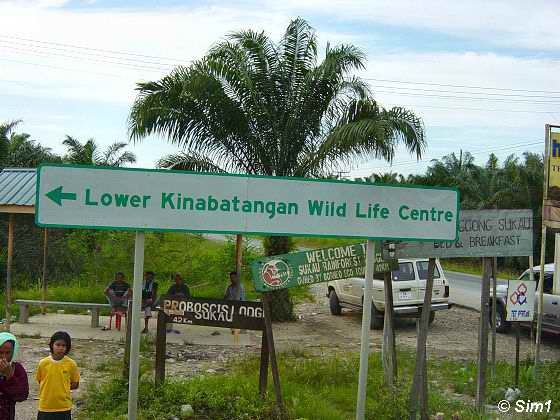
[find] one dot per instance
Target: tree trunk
(282, 307)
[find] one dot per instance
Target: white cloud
(505, 23)
(183, 34)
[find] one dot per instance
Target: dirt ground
(452, 335)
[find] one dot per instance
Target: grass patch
(313, 242)
(462, 379)
(322, 388)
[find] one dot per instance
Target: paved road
(465, 289)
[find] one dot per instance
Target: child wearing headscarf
(13, 378)
(57, 376)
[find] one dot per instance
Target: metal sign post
(520, 307)
(135, 326)
(366, 322)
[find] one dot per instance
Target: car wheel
(334, 303)
(502, 326)
(432, 317)
(377, 320)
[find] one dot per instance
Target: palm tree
(19, 150)
(258, 107)
(88, 153)
(458, 171)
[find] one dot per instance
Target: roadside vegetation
(318, 388)
(97, 256)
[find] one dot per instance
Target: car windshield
(405, 272)
(548, 279)
(422, 267)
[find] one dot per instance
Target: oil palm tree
(458, 171)
(259, 107)
(88, 153)
(19, 150)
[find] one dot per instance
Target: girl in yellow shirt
(57, 376)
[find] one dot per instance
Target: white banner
(138, 199)
(482, 233)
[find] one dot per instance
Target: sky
(483, 76)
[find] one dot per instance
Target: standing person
(149, 297)
(13, 378)
(57, 375)
(178, 289)
(118, 293)
(235, 291)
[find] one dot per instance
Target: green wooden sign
(315, 266)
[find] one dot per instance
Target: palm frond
(8, 127)
(188, 162)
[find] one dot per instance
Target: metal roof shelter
(17, 190)
(17, 196)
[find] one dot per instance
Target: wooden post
(423, 397)
(263, 376)
(517, 338)
(418, 393)
(483, 334)
(238, 253)
(540, 300)
(9, 271)
(126, 365)
(532, 278)
(161, 348)
(45, 253)
(388, 350)
(238, 261)
(494, 301)
(271, 351)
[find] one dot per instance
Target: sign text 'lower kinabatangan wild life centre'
(105, 198)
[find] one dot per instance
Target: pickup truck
(409, 285)
(551, 313)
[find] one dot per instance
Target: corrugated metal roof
(17, 187)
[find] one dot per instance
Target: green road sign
(315, 266)
(141, 199)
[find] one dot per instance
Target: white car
(409, 285)
(551, 313)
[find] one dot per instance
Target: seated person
(178, 289)
(118, 293)
(149, 297)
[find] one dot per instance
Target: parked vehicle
(409, 285)
(551, 313)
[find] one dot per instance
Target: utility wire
(428, 160)
(175, 60)
(86, 53)
(461, 86)
(469, 98)
(514, 95)
(95, 60)
(486, 149)
(468, 108)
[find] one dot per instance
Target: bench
(93, 307)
